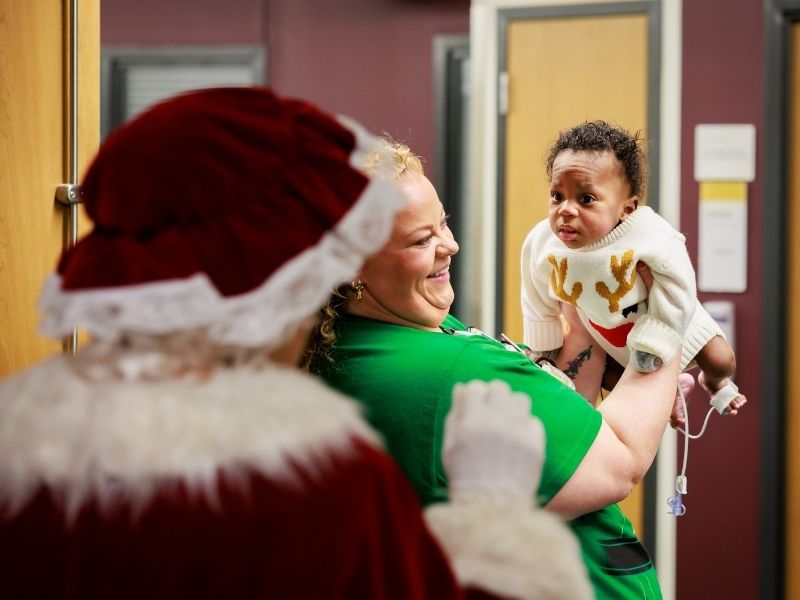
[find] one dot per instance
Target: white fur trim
(511, 551)
(94, 439)
(262, 317)
(366, 143)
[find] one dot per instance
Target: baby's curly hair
(600, 136)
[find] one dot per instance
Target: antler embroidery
(558, 277)
(618, 269)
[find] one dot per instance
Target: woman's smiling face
(408, 281)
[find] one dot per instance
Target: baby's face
(589, 196)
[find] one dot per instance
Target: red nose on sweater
(618, 336)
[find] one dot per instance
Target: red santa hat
(228, 209)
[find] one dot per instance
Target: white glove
(493, 445)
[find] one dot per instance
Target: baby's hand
(713, 386)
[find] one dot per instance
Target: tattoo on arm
(576, 363)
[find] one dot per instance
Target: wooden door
(35, 146)
(561, 72)
(792, 425)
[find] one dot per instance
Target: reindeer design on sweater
(619, 268)
(601, 281)
(623, 270)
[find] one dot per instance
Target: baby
(585, 254)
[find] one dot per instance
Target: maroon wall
(369, 59)
(723, 83)
(172, 22)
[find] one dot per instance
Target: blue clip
(677, 509)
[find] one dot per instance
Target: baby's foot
(738, 402)
(678, 417)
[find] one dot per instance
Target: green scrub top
(404, 378)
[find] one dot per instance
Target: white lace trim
(263, 317)
(124, 438)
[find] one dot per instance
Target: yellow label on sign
(733, 191)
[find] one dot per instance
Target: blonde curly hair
(317, 353)
(404, 160)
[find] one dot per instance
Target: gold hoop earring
(358, 286)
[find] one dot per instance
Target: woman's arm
(635, 415)
(581, 357)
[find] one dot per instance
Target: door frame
(505, 17)
(451, 111)
(652, 10)
(778, 17)
(478, 256)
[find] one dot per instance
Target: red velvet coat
(256, 484)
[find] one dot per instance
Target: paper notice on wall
(722, 243)
(725, 152)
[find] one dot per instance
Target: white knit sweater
(600, 280)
